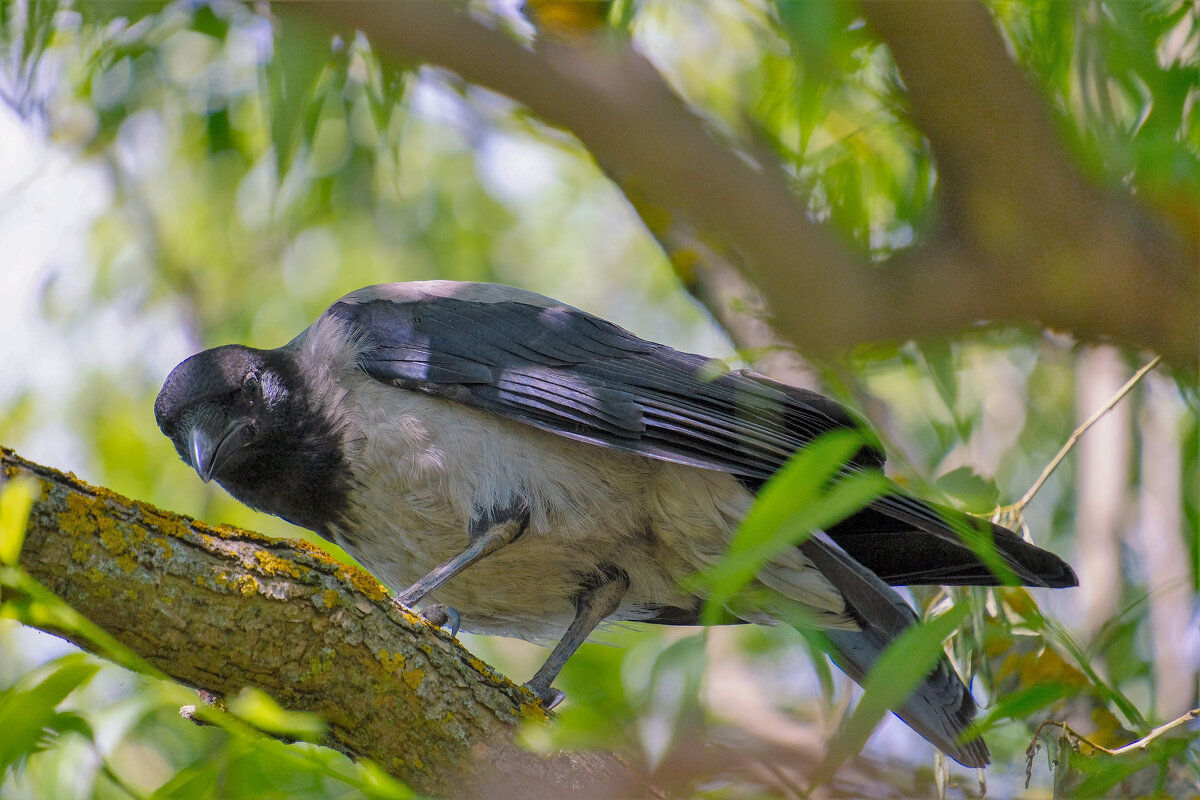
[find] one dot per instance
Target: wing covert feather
(568, 372)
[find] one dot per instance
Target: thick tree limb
(1051, 248)
(1023, 232)
(715, 275)
(220, 609)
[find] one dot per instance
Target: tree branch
(220, 609)
(1052, 249)
(1022, 229)
(714, 274)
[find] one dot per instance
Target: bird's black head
(222, 405)
(244, 418)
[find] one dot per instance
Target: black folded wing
(566, 371)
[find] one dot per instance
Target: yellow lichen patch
(230, 532)
(98, 579)
(164, 522)
(226, 531)
(413, 677)
(272, 564)
(363, 582)
(165, 546)
(76, 520)
(319, 665)
(418, 763)
(246, 584)
(330, 598)
(81, 550)
(317, 552)
(131, 593)
(533, 710)
(101, 492)
(478, 665)
(112, 536)
(127, 563)
(391, 662)
(414, 619)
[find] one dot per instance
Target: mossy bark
(220, 609)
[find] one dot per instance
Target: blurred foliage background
(179, 176)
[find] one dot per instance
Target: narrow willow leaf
(16, 498)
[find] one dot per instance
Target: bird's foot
(442, 615)
(548, 695)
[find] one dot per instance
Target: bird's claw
(442, 615)
(549, 696)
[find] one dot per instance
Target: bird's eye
(252, 386)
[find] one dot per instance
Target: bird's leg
(488, 533)
(597, 600)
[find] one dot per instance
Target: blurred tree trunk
(1161, 543)
(1102, 505)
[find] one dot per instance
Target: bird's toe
(548, 695)
(442, 616)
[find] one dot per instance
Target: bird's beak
(210, 450)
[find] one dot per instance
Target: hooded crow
(541, 470)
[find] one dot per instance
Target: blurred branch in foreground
(1027, 239)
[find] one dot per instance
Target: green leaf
(1101, 773)
(940, 357)
(809, 493)
(898, 672)
(675, 684)
(70, 722)
(39, 607)
(207, 22)
(261, 710)
(302, 54)
(195, 782)
(16, 499)
(1022, 704)
(977, 494)
(28, 714)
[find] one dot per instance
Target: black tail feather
(941, 708)
(908, 543)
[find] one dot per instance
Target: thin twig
(1015, 510)
(1139, 745)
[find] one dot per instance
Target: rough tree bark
(221, 609)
